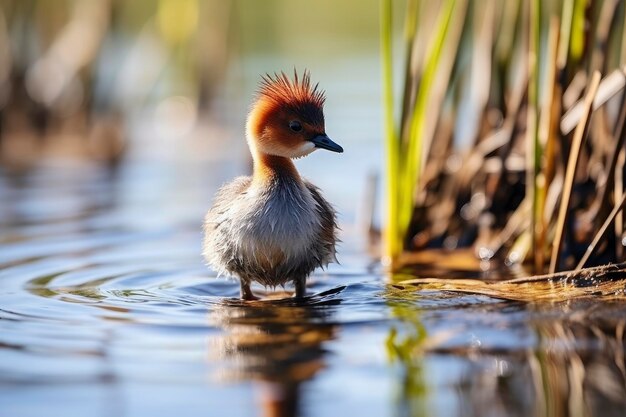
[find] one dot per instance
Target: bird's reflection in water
(278, 344)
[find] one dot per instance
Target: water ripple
(102, 287)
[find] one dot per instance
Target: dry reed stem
(608, 281)
(620, 135)
(609, 87)
(574, 157)
(601, 232)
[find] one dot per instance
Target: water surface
(107, 309)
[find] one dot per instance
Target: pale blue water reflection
(106, 309)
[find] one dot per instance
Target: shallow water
(106, 309)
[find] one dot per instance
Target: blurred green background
(90, 79)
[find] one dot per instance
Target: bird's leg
(246, 292)
(300, 285)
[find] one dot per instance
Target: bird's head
(287, 118)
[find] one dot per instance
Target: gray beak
(324, 142)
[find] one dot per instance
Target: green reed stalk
(548, 124)
(577, 35)
(411, 173)
(393, 236)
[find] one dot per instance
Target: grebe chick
(275, 227)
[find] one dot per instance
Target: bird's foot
(246, 292)
(249, 297)
(300, 289)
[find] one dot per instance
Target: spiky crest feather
(298, 93)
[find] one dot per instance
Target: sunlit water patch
(107, 309)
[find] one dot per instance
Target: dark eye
(295, 126)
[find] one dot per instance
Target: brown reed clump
(511, 132)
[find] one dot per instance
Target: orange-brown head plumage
(287, 118)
